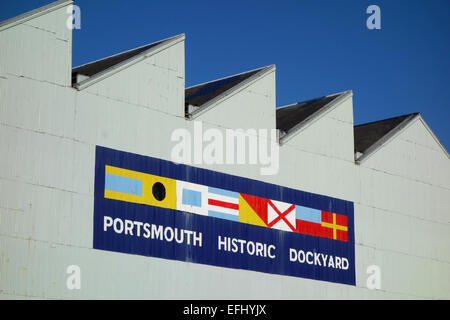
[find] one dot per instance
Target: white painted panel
(413, 154)
(253, 107)
(39, 48)
(330, 134)
(156, 82)
(37, 106)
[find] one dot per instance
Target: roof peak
(128, 51)
(388, 119)
(230, 76)
(201, 97)
(97, 70)
(33, 14)
(312, 99)
(369, 137)
(291, 117)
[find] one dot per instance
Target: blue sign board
(156, 208)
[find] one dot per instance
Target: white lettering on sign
(318, 259)
(152, 231)
(245, 246)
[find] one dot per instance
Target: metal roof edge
(113, 55)
(433, 135)
(295, 103)
(388, 137)
(316, 115)
(165, 44)
(226, 77)
(33, 14)
(232, 91)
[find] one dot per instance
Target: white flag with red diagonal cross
(281, 215)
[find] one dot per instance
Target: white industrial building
(52, 117)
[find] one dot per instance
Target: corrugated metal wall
(48, 134)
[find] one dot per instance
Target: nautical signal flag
(223, 204)
(252, 210)
(281, 215)
(132, 186)
(322, 224)
(192, 197)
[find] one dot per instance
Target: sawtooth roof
(202, 93)
(290, 116)
(367, 134)
(113, 63)
(92, 68)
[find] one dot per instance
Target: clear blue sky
(319, 47)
